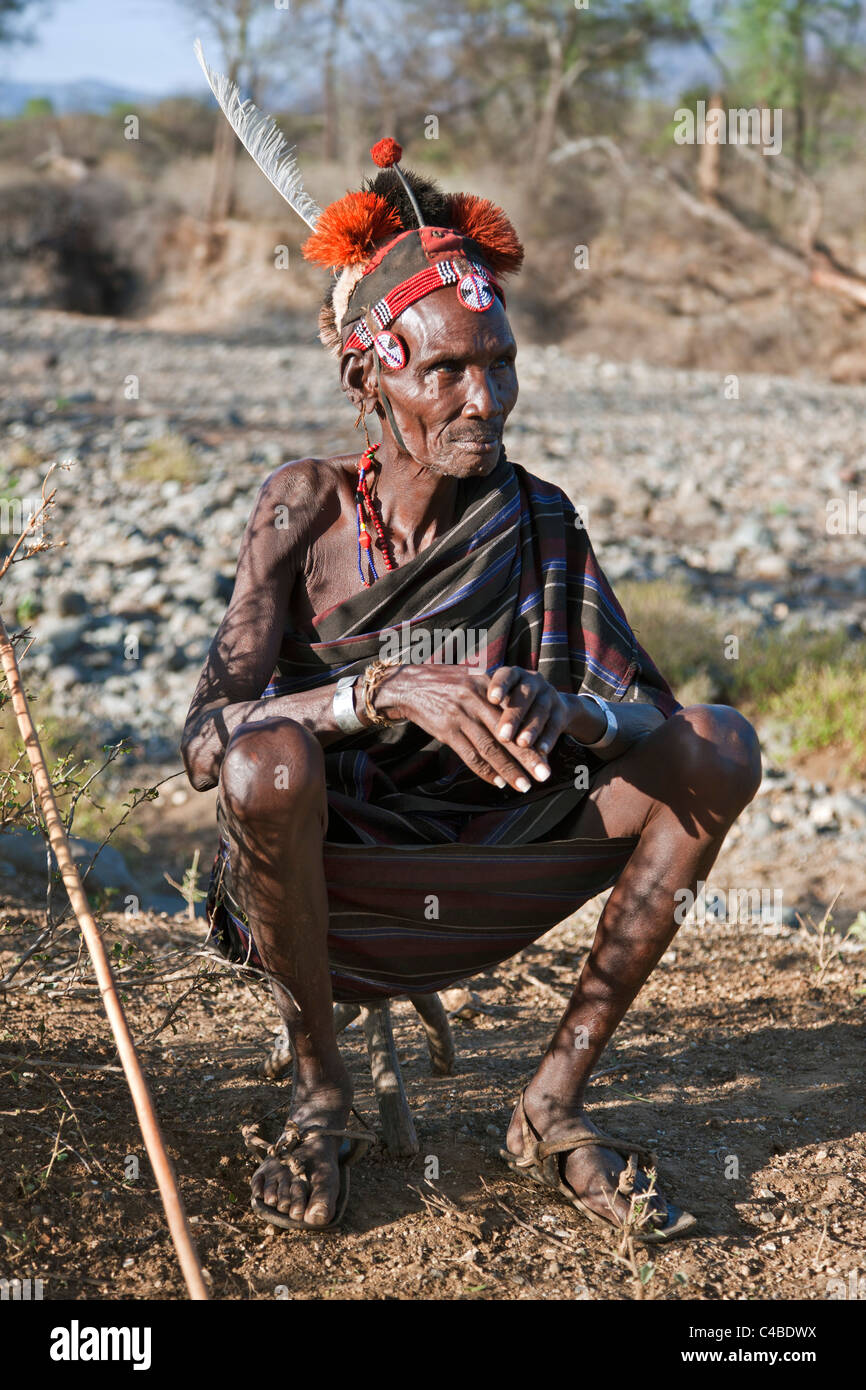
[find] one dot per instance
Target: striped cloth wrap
(432, 874)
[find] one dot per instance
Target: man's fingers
(526, 731)
(487, 771)
(501, 682)
(513, 763)
(543, 727)
(481, 752)
(518, 705)
(529, 758)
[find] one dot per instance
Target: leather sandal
(354, 1146)
(541, 1161)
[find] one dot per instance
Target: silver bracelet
(343, 706)
(612, 729)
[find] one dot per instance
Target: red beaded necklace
(365, 540)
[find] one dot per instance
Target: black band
(386, 406)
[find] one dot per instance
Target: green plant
(188, 888)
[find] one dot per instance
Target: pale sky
(143, 44)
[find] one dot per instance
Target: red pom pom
(365, 540)
(386, 152)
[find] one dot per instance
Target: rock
(761, 824)
(772, 566)
(27, 853)
(64, 676)
(822, 813)
(70, 603)
(461, 1003)
(851, 808)
(751, 534)
(57, 636)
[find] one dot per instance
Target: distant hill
(87, 94)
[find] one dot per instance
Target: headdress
(388, 244)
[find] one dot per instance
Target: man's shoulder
(306, 482)
(296, 502)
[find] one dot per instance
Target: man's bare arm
(244, 651)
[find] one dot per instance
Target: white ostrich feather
(263, 139)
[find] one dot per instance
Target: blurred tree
(11, 12)
(37, 106)
(792, 54)
(334, 20)
(565, 43)
(310, 37)
(234, 25)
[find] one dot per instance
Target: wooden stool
(396, 1117)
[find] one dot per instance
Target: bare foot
(313, 1198)
(591, 1172)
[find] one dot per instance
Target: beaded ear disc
(391, 349)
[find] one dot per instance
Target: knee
(717, 747)
(273, 769)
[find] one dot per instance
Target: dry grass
(815, 682)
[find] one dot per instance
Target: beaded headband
(380, 264)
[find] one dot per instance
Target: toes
(312, 1199)
(271, 1193)
(322, 1203)
(263, 1183)
(296, 1204)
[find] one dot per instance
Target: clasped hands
(503, 725)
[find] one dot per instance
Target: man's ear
(358, 377)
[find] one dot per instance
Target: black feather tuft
(431, 200)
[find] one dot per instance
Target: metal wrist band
(343, 706)
(612, 729)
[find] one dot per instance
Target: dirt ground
(740, 1064)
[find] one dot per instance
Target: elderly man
(392, 827)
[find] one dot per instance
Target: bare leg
(680, 790)
(272, 788)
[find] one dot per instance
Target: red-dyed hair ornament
(487, 225)
(349, 230)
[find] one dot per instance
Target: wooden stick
(141, 1099)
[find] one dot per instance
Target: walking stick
(141, 1098)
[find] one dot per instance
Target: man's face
(459, 384)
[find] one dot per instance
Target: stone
(64, 676)
(27, 853)
(461, 1003)
(822, 813)
(772, 566)
(70, 603)
(57, 636)
(761, 824)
